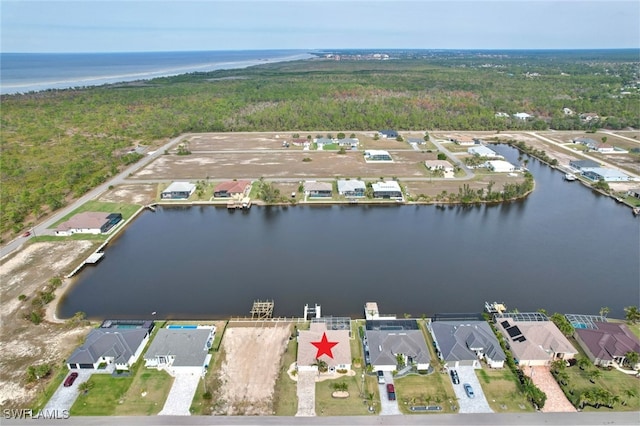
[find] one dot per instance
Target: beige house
(310, 345)
(533, 339)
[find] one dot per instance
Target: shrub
(22, 297)
(306, 159)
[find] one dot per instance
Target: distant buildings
(377, 155)
(387, 189)
(388, 134)
(522, 116)
(178, 191)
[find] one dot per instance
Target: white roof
(501, 165)
(606, 173)
(482, 151)
(391, 185)
(443, 164)
(180, 187)
(375, 152)
(350, 185)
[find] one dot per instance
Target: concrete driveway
(387, 408)
(181, 394)
(479, 403)
(63, 398)
(306, 391)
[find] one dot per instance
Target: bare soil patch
(252, 362)
(23, 343)
(131, 194)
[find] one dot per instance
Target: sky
(184, 25)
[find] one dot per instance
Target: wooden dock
(262, 309)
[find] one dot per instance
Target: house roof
(307, 351)
(389, 133)
(120, 344)
(457, 341)
(390, 185)
(501, 165)
(384, 345)
(350, 185)
(180, 187)
(606, 173)
(541, 339)
(371, 152)
(233, 186)
(187, 345)
(585, 141)
(85, 220)
(584, 163)
(438, 164)
(482, 151)
(609, 340)
(318, 186)
(326, 141)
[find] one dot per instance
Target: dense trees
(58, 144)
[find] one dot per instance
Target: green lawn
(354, 405)
(127, 210)
(146, 395)
(285, 398)
(612, 380)
(500, 387)
(105, 396)
(432, 389)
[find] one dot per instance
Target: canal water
(565, 249)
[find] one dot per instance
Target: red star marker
(324, 347)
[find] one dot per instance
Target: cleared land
(253, 355)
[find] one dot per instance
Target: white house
(181, 348)
(603, 148)
(605, 174)
(89, 223)
(522, 115)
(439, 165)
(377, 155)
(387, 189)
(500, 166)
(483, 151)
(567, 111)
(178, 191)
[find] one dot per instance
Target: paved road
(42, 228)
(526, 419)
(477, 404)
(468, 173)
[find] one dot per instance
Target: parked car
(469, 390)
(391, 392)
(454, 377)
(69, 380)
(380, 377)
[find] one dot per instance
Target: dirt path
(250, 369)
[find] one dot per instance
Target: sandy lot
(23, 343)
(252, 362)
(137, 194)
(284, 165)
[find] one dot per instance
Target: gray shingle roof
(457, 340)
(188, 346)
(384, 344)
(120, 345)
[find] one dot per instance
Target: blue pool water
(182, 326)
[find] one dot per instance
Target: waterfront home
(583, 165)
(533, 339)
(500, 166)
(351, 188)
(181, 348)
(320, 344)
(315, 189)
(466, 343)
(377, 155)
(387, 189)
(607, 343)
(392, 344)
(112, 346)
(89, 223)
(634, 192)
(388, 134)
(605, 174)
(483, 151)
(178, 191)
(588, 142)
(232, 188)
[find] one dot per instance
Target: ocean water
(26, 72)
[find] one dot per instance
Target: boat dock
(237, 203)
(94, 258)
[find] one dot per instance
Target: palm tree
(631, 358)
(632, 314)
(593, 375)
(629, 393)
(583, 362)
(604, 311)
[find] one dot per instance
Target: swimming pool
(182, 326)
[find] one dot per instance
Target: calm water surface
(564, 248)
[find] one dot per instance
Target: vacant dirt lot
(284, 165)
(252, 362)
(23, 343)
(132, 194)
